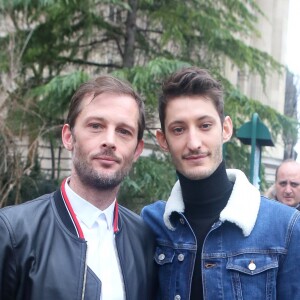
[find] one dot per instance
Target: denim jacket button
(177, 297)
(161, 256)
(180, 257)
(181, 220)
(252, 266)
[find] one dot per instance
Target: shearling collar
(241, 209)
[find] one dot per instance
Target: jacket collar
(241, 209)
(68, 217)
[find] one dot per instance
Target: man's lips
(194, 156)
(107, 159)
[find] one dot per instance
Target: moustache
(194, 153)
(107, 153)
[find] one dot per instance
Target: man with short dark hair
(217, 238)
(78, 243)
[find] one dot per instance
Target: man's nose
(108, 140)
(194, 140)
(288, 189)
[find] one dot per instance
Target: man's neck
(207, 196)
(101, 198)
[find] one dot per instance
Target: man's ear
(161, 139)
(227, 129)
(67, 137)
(138, 151)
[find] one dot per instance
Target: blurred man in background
(287, 183)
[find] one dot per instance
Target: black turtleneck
(204, 200)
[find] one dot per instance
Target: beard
(99, 179)
(200, 172)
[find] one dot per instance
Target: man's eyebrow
(179, 121)
(96, 118)
(176, 122)
(282, 181)
(126, 125)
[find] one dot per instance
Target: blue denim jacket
(251, 252)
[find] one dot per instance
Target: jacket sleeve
(288, 286)
(8, 280)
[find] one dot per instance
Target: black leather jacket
(42, 258)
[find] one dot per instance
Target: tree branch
(89, 63)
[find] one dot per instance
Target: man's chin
(289, 202)
(105, 183)
(197, 175)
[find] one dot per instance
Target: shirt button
(252, 266)
(177, 297)
(181, 220)
(161, 257)
(180, 257)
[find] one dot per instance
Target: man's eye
(178, 130)
(94, 125)
(294, 185)
(206, 126)
(124, 131)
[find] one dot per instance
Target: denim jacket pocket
(164, 255)
(253, 275)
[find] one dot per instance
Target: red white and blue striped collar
(74, 217)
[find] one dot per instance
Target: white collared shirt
(102, 257)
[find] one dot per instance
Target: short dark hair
(190, 81)
(105, 84)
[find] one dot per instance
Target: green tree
(51, 46)
(149, 180)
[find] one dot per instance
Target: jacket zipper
(84, 275)
(121, 267)
(79, 230)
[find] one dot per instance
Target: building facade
(273, 40)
